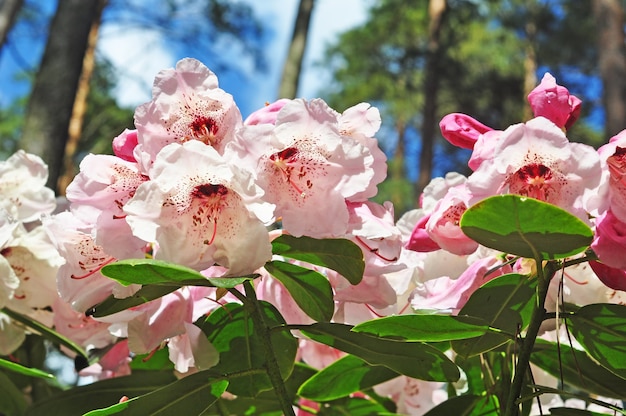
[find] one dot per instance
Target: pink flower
(197, 209)
(420, 240)
(462, 130)
(535, 159)
(115, 363)
(443, 224)
(23, 179)
(80, 328)
(554, 102)
(610, 240)
(124, 145)
(484, 148)
(186, 105)
(308, 169)
(614, 153)
(267, 114)
(610, 276)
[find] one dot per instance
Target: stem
(273, 372)
(537, 317)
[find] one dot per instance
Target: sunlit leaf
(158, 272)
(525, 227)
(340, 255)
(190, 395)
(309, 289)
(45, 331)
(601, 330)
(13, 402)
(343, 377)
(82, 399)
(113, 305)
(414, 359)
(232, 332)
(505, 303)
(18, 368)
(467, 405)
(426, 328)
(353, 406)
(577, 369)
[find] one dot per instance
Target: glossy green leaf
(601, 330)
(113, 305)
(414, 359)
(309, 289)
(158, 272)
(525, 227)
(82, 399)
(570, 411)
(157, 360)
(338, 254)
(425, 328)
(12, 400)
(231, 331)
(265, 403)
(467, 405)
(344, 377)
(45, 331)
(577, 368)
(505, 303)
(353, 406)
(190, 395)
(18, 368)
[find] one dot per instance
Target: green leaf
(13, 402)
(425, 328)
(526, 227)
(80, 400)
(601, 330)
(231, 331)
(505, 303)
(190, 395)
(309, 289)
(414, 359)
(18, 368)
(158, 272)
(157, 360)
(354, 406)
(467, 405)
(265, 403)
(46, 332)
(343, 377)
(340, 255)
(113, 305)
(577, 368)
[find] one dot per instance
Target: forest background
(62, 95)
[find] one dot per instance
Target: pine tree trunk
(293, 64)
(50, 105)
(436, 12)
(609, 17)
(8, 14)
(80, 103)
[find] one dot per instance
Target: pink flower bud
(554, 102)
(462, 130)
(267, 114)
(124, 145)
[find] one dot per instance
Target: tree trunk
(80, 103)
(436, 13)
(50, 105)
(8, 13)
(530, 66)
(609, 17)
(293, 64)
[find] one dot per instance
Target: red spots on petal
(617, 165)
(204, 129)
(533, 180)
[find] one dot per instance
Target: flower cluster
(197, 185)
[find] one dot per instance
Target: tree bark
(50, 105)
(609, 17)
(293, 64)
(80, 103)
(436, 13)
(8, 14)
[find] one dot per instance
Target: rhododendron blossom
(554, 102)
(196, 208)
(535, 159)
(187, 104)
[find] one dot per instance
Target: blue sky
(139, 54)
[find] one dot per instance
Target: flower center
(284, 161)
(209, 200)
(203, 129)
(533, 180)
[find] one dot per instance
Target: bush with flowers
(218, 266)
